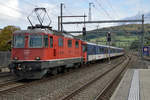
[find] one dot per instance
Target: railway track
(5, 74)
(7, 86)
(107, 91)
(84, 86)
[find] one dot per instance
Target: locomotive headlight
(30, 68)
(37, 58)
(18, 67)
(15, 58)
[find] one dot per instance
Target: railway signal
(84, 32)
(108, 36)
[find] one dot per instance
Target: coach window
(60, 42)
(69, 43)
(51, 42)
(103, 50)
(46, 41)
(99, 49)
(77, 44)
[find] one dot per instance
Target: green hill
(122, 36)
(119, 30)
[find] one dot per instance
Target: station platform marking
(134, 89)
(135, 85)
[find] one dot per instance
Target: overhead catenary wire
(27, 2)
(112, 8)
(15, 9)
(95, 7)
(105, 11)
(67, 11)
(21, 12)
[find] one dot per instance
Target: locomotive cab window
(60, 42)
(19, 41)
(77, 44)
(69, 43)
(35, 41)
(51, 42)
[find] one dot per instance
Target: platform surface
(135, 85)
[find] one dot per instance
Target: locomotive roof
(46, 31)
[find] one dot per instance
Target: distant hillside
(119, 30)
(123, 35)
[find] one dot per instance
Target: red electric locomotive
(38, 51)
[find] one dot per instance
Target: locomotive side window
(46, 41)
(19, 41)
(35, 41)
(60, 42)
(51, 42)
(69, 43)
(77, 44)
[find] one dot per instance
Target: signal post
(108, 41)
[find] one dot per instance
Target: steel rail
(108, 86)
(78, 90)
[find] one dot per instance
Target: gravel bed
(92, 91)
(5, 79)
(138, 63)
(56, 88)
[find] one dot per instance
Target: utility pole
(61, 14)
(142, 36)
(84, 30)
(59, 23)
(90, 13)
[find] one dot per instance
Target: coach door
(60, 49)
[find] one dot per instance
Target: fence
(4, 58)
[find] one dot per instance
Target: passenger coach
(98, 52)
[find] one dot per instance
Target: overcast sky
(14, 12)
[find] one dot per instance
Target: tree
(135, 45)
(5, 36)
(147, 40)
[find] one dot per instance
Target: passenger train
(38, 51)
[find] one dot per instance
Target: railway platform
(135, 85)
